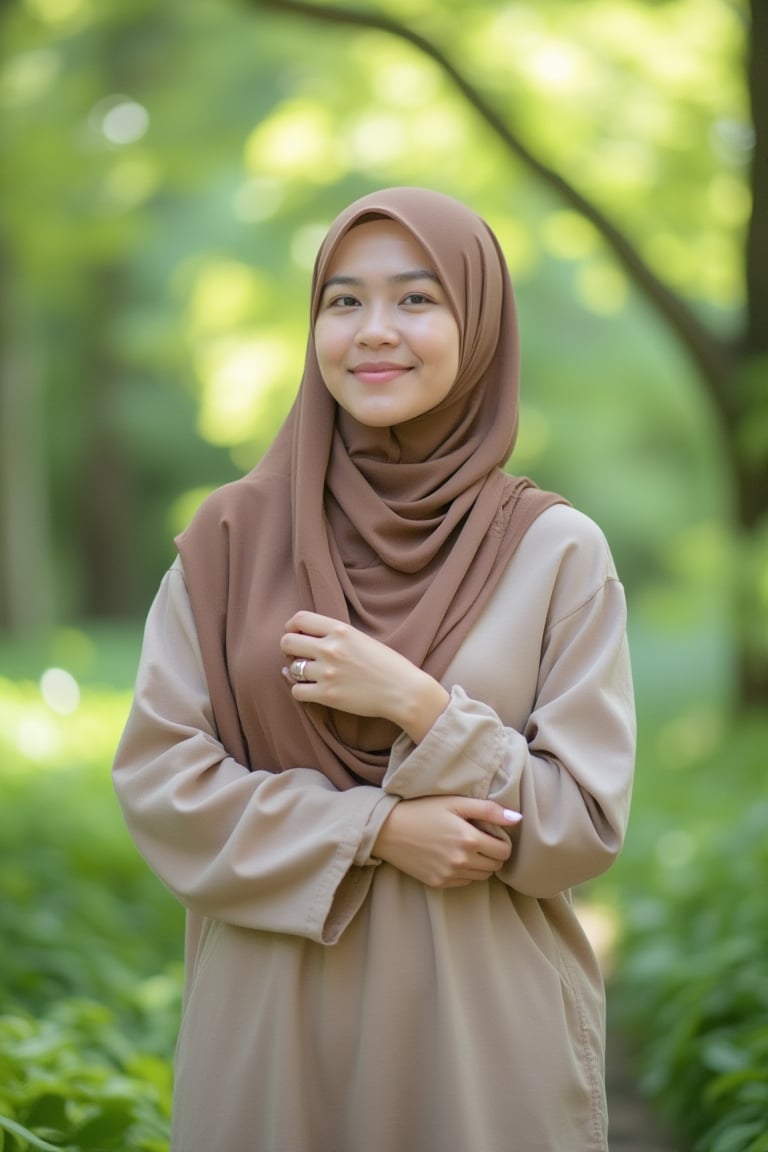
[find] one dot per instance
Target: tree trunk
(107, 513)
(750, 433)
(25, 546)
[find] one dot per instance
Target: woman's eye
(343, 302)
(417, 298)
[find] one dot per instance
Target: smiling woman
(383, 722)
(386, 338)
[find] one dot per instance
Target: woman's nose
(376, 327)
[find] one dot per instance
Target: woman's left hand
(350, 671)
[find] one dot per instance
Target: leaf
(27, 1138)
(723, 1055)
(737, 1138)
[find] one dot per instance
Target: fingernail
(511, 816)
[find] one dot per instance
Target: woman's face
(386, 339)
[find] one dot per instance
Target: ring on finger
(298, 670)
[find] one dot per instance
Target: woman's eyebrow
(398, 278)
(417, 274)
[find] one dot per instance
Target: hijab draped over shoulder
(403, 532)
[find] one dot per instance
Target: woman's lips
(379, 373)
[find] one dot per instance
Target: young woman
(383, 723)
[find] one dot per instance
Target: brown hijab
(402, 531)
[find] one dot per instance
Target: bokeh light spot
(258, 199)
(568, 236)
(602, 288)
(305, 244)
(297, 141)
(57, 11)
(28, 77)
(60, 691)
(239, 377)
(119, 119)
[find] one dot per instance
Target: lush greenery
(72, 1080)
(91, 966)
(692, 986)
(173, 167)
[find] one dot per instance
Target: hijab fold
(403, 532)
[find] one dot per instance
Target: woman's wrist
(423, 701)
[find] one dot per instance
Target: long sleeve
(281, 852)
(566, 762)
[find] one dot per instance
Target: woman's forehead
(378, 244)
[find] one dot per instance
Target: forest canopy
(172, 168)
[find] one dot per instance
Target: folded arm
(283, 852)
(569, 769)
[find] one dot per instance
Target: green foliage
(692, 983)
(90, 968)
(73, 1080)
(71, 873)
(174, 166)
(91, 961)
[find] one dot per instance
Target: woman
(383, 722)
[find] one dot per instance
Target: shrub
(74, 1080)
(80, 913)
(90, 968)
(693, 980)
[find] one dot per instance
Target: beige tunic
(334, 1004)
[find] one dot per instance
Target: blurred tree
(24, 512)
(169, 168)
(732, 367)
(93, 444)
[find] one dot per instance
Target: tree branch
(709, 354)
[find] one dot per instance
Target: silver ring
(297, 669)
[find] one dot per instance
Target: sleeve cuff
(459, 756)
(355, 884)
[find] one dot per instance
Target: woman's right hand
(437, 840)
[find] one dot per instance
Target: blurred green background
(168, 170)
